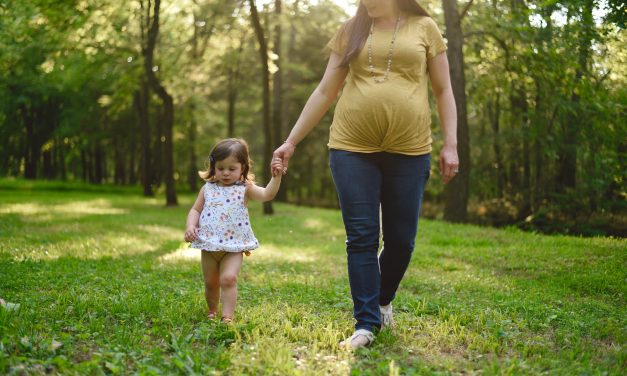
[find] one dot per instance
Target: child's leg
(211, 274)
(229, 269)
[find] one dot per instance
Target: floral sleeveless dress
(224, 222)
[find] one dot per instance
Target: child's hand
(277, 167)
(191, 234)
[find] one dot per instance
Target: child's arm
(191, 229)
(258, 193)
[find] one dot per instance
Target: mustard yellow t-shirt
(393, 116)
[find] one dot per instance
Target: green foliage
(101, 282)
(545, 82)
(547, 104)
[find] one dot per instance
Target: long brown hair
(228, 147)
(358, 27)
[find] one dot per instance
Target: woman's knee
(363, 236)
(400, 246)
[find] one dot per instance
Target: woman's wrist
(290, 142)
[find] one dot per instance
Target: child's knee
(228, 280)
(213, 284)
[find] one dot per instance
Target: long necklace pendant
(390, 50)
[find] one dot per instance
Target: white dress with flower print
(224, 221)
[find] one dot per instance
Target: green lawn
(100, 282)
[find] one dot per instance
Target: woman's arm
(317, 105)
(191, 228)
(441, 84)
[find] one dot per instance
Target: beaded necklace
(390, 49)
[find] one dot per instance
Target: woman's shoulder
(422, 21)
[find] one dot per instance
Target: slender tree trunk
(457, 190)
(233, 88)
(141, 106)
(61, 159)
(279, 106)
(47, 168)
(84, 165)
(157, 146)
(132, 177)
(118, 161)
(520, 110)
(32, 144)
(192, 172)
(265, 74)
(98, 162)
(167, 115)
(538, 149)
(567, 161)
(288, 80)
(495, 117)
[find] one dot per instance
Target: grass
(100, 282)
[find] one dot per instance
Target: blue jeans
(365, 183)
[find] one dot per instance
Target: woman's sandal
(357, 339)
(227, 320)
(212, 315)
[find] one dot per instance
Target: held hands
(191, 234)
(283, 153)
(277, 167)
(449, 163)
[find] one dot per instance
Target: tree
(151, 24)
(457, 191)
(265, 79)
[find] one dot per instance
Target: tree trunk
(98, 162)
(288, 80)
(495, 120)
(167, 116)
(265, 74)
(118, 161)
(60, 155)
(520, 110)
(192, 172)
(141, 106)
(456, 191)
(567, 160)
(232, 88)
(84, 165)
(32, 146)
(278, 106)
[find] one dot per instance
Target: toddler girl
(218, 223)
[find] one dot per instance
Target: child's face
(228, 170)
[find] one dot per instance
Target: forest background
(137, 92)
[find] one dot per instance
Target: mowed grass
(100, 282)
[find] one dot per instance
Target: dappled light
(183, 253)
(75, 209)
(471, 297)
(277, 253)
(111, 111)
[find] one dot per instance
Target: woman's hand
(449, 163)
(191, 234)
(283, 153)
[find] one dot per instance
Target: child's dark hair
(228, 147)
